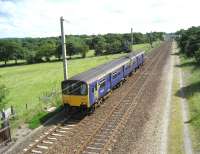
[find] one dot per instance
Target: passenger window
(114, 75)
(103, 84)
(128, 66)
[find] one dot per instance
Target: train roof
(99, 71)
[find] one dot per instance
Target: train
(88, 89)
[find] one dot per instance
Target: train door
(96, 89)
(93, 92)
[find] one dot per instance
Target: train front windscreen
(73, 87)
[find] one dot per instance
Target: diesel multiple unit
(87, 89)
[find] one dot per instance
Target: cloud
(40, 18)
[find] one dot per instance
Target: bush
(3, 94)
(197, 55)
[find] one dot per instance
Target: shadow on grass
(187, 92)
(193, 119)
(195, 66)
(59, 115)
(54, 118)
(25, 63)
(13, 64)
(186, 64)
(39, 62)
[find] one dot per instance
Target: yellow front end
(76, 100)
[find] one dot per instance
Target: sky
(40, 18)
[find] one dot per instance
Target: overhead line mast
(63, 49)
(131, 39)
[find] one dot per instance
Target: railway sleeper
(98, 144)
(65, 128)
(89, 152)
(47, 142)
(93, 148)
(100, 136)
(42, 147)
(36, 151)
(61, 131)
(55, 134)
(98, 140)
(106, 129)
(106, 132)
(52, 138)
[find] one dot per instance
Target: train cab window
(71, 87)
(83, 89)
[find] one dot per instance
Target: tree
(17, 51)
(30, 56)
(46, 51)
(58, 51)
(197, 56)
(114, 47)
(10, 50)
(83, 49)
(99, 45)
(189, 42)
(5, 53)
(76, 45)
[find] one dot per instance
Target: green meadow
(32, 87)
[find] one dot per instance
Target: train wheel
(91, 110)
(121, 83)
(67, 109)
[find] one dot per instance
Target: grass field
(192, 92)
(27, 84)
(145, 46)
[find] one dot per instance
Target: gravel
(142, 133)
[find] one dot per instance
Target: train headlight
(83, 103)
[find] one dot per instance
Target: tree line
(35, 50)
(189, 42)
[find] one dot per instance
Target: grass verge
(175, 137)
(191, 72)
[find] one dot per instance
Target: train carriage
(87, 88)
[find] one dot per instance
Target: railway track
(103, 138)
(103, 130)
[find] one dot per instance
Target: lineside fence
(5, 130)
